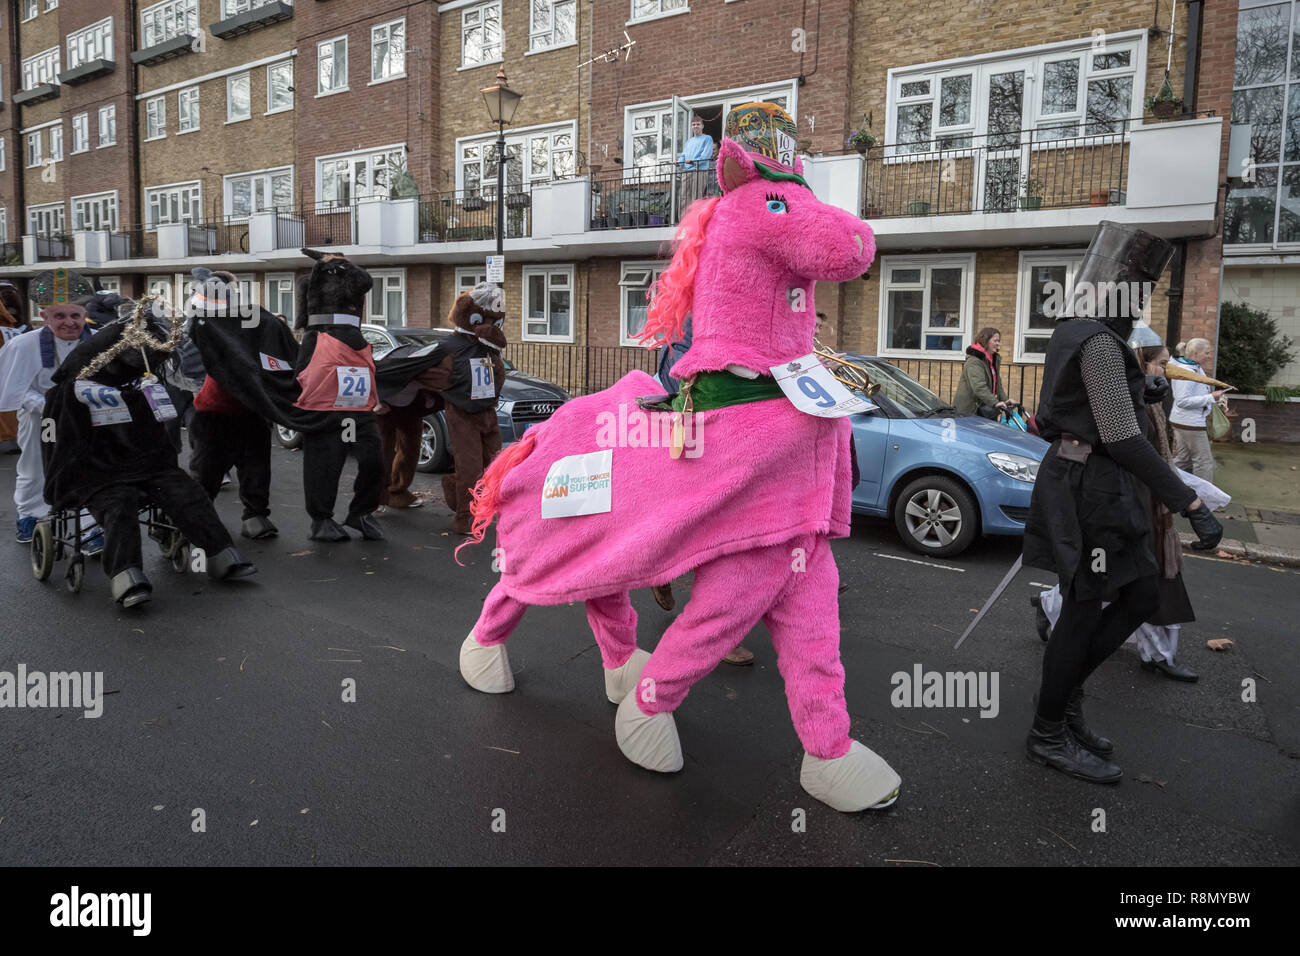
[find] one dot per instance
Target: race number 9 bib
(482, 383)
(813, 390)
(106, 404)
(354, 386)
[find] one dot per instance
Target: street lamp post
(502, 102)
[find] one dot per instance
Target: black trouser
(323, 455)
(117, 509)
(1085, 635)
(241, 441)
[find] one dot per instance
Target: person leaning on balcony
(1193, 402)
(696, 161)
(981, 390)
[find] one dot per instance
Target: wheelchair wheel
(43, 550)
(169, 539)
(76, 574)
(180, 556)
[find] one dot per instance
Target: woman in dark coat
(981, 382)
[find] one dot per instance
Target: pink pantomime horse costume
(752, 515)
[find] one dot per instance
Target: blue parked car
(943, 480)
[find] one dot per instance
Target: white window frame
(49, 209)
(349, 162)
(275, 293)
(2, 154)
(334, 60)
(388, 31)
(34, 139)
(155, 113)
(381, 279)
(474, 274)
(659, 13)
(536, 34)
(41, 68)
(231, 8)
(965, 331)
(56, 142)
(165, 21)
(231, 80)
(727, 99)
(265, 175)
(550, 271)
(110, 283)
(523, 137)
(108, 112)
(108, 197)
(1033, 60)
(636, 274)
(51, 5)
(31, 10)
(474, 17)
(4, 224)
(271, 108)
(80, 133)
(193, 187)
(189, 94)
(94, 42)
(1070, 258)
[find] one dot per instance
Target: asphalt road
(228, 699)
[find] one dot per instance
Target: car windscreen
(910, 397)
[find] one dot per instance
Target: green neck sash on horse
(709, 390)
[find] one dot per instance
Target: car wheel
(288, 437)
(434, 456)
(936, 516)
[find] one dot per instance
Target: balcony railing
(133, 242)
(942, 376)
(1051, 167)
(11, 253)
(471, 215)
(647, 196)
(329, 224)
(53, 247)
(218, 236)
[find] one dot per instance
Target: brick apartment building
(1004, 132)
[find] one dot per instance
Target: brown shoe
(664, 595)
(741, 655)
(403, 499)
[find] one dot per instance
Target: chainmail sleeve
(1102, 365)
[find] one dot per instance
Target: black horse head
(335, 285)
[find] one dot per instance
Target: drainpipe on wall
(16, 155)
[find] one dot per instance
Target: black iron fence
(329, 224)
(11, 253)
(53, 247)
(471, 215)
(941, 376)
(647, 196)
(580, 369)
(218, 236)
(1049, 167)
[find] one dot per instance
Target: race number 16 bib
(354, 386)
(482, 384)
(812, 389)
(105, 403)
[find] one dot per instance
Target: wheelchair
(59, 535)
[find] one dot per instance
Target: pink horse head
(763, 246)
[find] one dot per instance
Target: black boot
(368, 526)
(327, 529)
(1051, 744)
(1079, 727)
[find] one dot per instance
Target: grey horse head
(335, 285)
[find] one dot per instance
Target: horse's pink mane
(486, 494)
(673, 293)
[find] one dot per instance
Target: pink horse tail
(486, 494)
(673, 294)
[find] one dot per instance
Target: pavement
(225, 737)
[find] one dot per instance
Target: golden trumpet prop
(1176, 370)
(849, 374)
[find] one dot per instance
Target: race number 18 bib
(482, 384)
(354, 386)
(105, 403)
(813, 390)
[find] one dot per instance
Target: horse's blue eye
(776, 206)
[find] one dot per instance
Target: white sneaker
(621, 681)
(860, 780)
(649, 742)
(486, 669)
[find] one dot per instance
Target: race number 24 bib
(354, 386)
(107, 407)
(482, 384)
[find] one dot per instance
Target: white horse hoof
(860, 780)
(649, 742)
(486, 669)
(621, 681)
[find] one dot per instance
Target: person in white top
(1192, 404)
